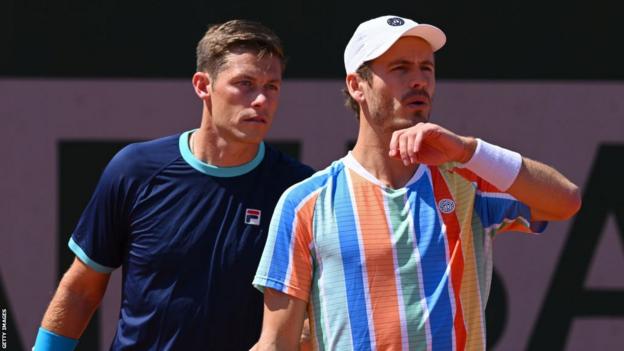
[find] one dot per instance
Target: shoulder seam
(149, 179)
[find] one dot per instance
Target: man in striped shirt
(390, 247)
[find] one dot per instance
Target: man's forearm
(550, 195)
(76, 299)
(69, 313)
(282, 322)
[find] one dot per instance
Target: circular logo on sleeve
(395, 21)
(446, 205)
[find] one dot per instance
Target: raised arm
(549, 194)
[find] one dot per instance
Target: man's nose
(259, 100)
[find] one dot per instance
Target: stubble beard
(383, 113)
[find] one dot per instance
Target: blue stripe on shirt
(434, 263)
(352, 263)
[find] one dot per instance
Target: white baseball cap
(374, 37)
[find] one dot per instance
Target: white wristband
(498, 166)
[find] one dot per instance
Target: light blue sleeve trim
(49, 341)
(84, 258)
(223, 172)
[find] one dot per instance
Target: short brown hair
(365, 73)
(222, 39)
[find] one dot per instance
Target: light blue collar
(215, 171)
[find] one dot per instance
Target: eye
(273, 87)
(245, 83)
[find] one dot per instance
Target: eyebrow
(249, 77)
(408, 62)
(244, 76)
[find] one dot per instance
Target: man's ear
(202, 85)
(355, 88)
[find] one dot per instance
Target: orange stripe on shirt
(456, 261)
(463, 193)
(517, 225)
(301, 264)
(379, 262)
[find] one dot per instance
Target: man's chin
(251, 138)
(407, 123)
(421, 117)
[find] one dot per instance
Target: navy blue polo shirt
(188, 237)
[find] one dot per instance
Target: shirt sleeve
(499, 211)
(286, 264)
(100, 236)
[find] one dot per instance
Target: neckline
(216, 171)
(350, 161)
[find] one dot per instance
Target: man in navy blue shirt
(186, 216)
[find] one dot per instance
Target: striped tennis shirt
(390, 269)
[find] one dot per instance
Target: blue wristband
(48, 341)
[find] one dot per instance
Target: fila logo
(446, 205)
(252, 216)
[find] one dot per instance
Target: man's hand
(430, 144)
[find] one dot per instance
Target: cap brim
(432, 34)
